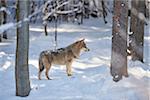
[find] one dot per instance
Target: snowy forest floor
(91, 78)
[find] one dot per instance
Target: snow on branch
(46, 5)
(54, 10)
(141, 16)
(4, 9)
(5, 27)
(36, 12)
(10, 25)
(68, 11)
(77, 5)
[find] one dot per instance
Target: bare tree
(21, 67)
(119, 40)
(0, 22)
(104, 11)
(3, 18)
(45, 22)
(3, 2)
(147, 11)
(137, 29)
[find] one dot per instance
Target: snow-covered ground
(91, 78)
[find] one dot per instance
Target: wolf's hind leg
(40, 71)
(41, 68)
(39, 75)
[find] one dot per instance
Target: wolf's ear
(82, 40)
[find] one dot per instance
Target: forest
(75, 49)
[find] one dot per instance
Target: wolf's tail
(41, 65)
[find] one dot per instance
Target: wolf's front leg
(69, 69)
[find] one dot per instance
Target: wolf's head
(82, 45)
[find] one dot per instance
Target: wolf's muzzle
(87, 49)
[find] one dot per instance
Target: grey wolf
(62, 56)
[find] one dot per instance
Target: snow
(67, 12)
(91, 78)
(6, 27)
(5, 10)
(54, 10)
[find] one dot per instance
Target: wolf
(62, 56)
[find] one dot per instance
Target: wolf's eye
(84, 45)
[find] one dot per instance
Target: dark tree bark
(147, 11)
(45, 22)
(137, 29)
(82, 12)
(3, 19)
(104, 11)
(119, 40)
(0, 23)
(21, 67)
(45, 29)
(4, 15)
(56, 32)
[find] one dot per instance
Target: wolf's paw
(39, 78)
(126, 75)
(69, 74)
(49, 78)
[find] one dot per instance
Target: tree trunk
(137, 29)
(0, 22)
(119, 40)
(45, 29)
(22, 46)
(147, 11)
(4, 15)
(104, 11)
(82, 12)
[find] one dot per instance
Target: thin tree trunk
(56, 32)
(21, 68)
(45, 29)
(0, 22)
(147, 11)
(137, 29)
(104, 11)
(119, 40)
(82, 12)
(4, 15)
(45, 22)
